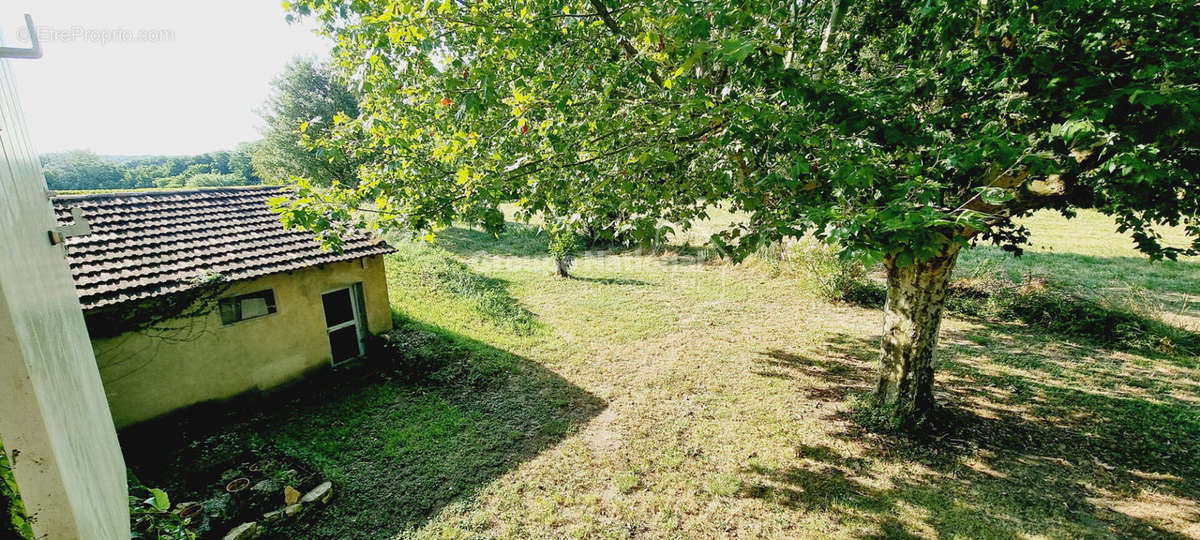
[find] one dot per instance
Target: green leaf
(735, 50)
(159, 501)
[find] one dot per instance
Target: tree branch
(835, 20)
(611, 23)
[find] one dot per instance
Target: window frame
(236, 301)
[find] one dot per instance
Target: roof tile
(153, 243)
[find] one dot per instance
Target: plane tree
(901, 131)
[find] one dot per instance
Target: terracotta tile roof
(152, 243)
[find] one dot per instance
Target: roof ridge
(162, 192)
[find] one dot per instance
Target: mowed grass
(1086, 255)
(670, 395)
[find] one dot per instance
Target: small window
(247, 306)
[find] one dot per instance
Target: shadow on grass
(610, 281)
(517, 240)
(1179, 277)
(1009, 455)
(396, 453)
(1060, 312)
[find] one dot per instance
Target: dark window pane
(337, 307)
(229, 311)
(344, 343)
(269, 296)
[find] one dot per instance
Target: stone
(273, 515)
(291, 495)
(245, 531)
(293, 509)
(322, 493)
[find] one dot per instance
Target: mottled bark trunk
(912, 317)
(564, 266)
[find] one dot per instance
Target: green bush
(822, 270)
(865, 293)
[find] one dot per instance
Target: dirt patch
(600, 435)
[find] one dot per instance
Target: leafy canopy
(305, 100)
(923, 125)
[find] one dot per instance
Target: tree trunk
(912, 317)
(564, 266)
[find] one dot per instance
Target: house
(201, 295)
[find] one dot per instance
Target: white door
(344, 322)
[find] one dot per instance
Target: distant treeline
(82, 170)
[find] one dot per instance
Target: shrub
(150, 515)
(822, 270)
(865, 293)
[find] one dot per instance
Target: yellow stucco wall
(151, 373)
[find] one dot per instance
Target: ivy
(166, 313)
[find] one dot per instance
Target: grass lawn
(1086, 255)
(665, 395)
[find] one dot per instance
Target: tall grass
(820, 270)
(441, 271)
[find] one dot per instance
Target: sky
(141, 77)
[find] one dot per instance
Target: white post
(54, 418)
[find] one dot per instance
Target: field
(672, 395)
